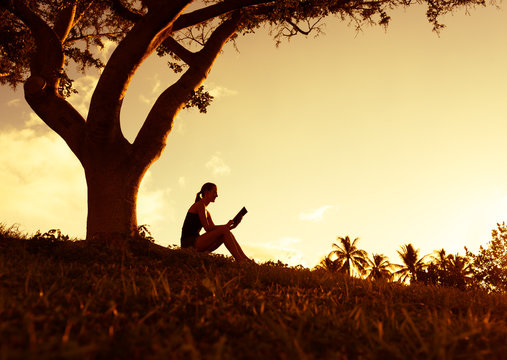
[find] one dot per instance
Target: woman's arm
(206, 221)
(230, 225)
(210, 220)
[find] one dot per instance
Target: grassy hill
(66, 299)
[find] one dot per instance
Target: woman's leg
(239, 247)
(210, 241)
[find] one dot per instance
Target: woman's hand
(230, 225)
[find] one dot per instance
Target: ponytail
(206, 187)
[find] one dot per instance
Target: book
(239, 216)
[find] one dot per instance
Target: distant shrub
(144, 233)
(11, 232)
(52, 235)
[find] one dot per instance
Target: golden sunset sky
(394, 136)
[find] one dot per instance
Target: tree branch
(48, 59)
(150, 141)
(298, 29)
(41, 88)
(93, 36)
(59, 115)
(179, 50)
(125, 12)
(212, 11)
(145, 36)
(79, 15)
(65, 21)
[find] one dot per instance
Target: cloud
(153, 206)
(152, 97)
(85, 86)
(179, 126)
(43, 187)
(105, 53)
(287, 241)
(218, 166)
(34, 121)
(146, 100)
(315, 215)
(156, 84)
(283, 249)
(43, 184)
(182, 181)
(14, 103)
(220, 91)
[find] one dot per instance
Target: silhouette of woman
(198, 217)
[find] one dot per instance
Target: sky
(392, 137)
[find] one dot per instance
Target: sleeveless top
(191, 228)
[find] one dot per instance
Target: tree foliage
(99, 21)
(452, 270)
(94, 23)
(412, 263)
(379, 268)
(489, 265)
(486, 270)
(349, 256)
(329, 265)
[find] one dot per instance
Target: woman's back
(191, 228)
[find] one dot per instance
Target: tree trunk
(112, 200)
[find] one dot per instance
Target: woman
(198, 217)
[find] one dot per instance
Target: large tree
(412, 263)
(349, 256)
(490, 264)
(379, 267)
(328, 265)
(39, 39)
(448, 270)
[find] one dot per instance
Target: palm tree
(379, 267)
(459, 269)
(349, 256)
(459, 265)
(328, 265)
(440, 259)
(412, 264)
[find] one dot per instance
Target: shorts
(188, 241)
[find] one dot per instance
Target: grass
(66, 299)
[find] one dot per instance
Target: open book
(239, 216)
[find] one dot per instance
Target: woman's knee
(225, 231)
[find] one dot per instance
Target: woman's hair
(206, 187)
